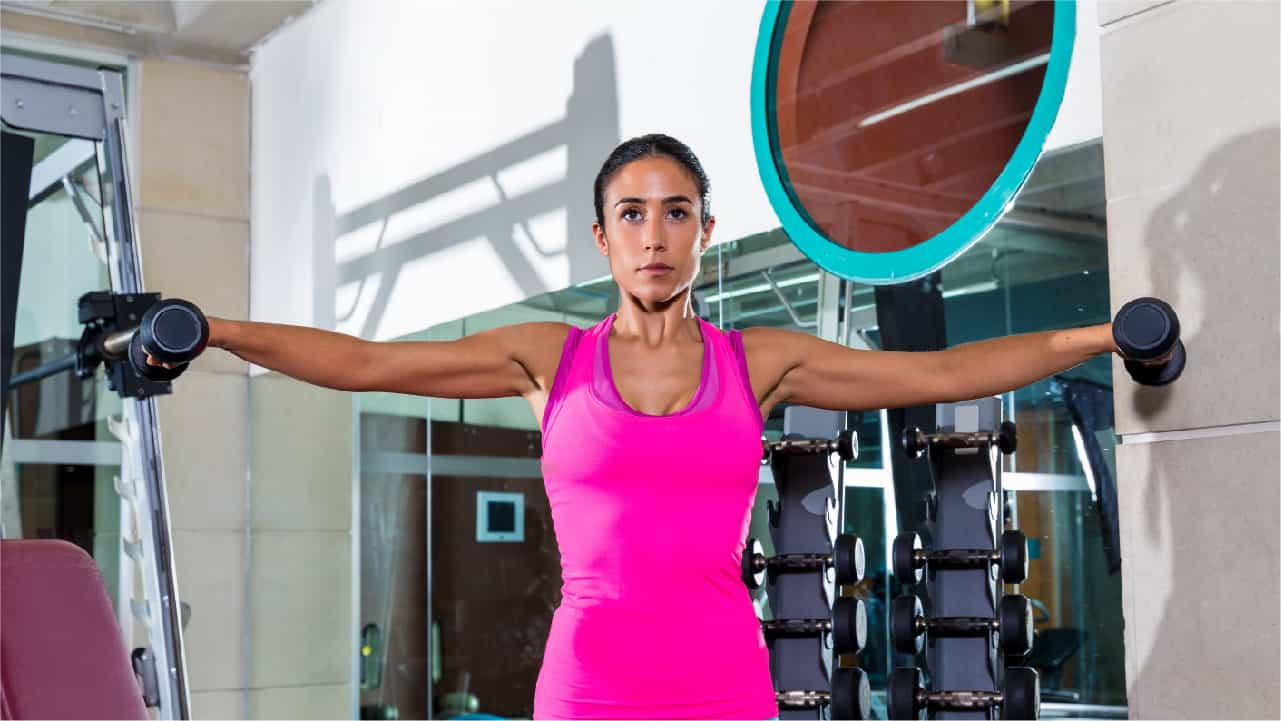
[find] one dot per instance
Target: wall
(450, 171)
(1190, 120)
(191, 170)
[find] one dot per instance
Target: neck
(673, 320)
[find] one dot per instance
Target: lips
(657, 267)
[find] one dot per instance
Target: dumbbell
(848, 626)
(850, 697)
(909, 557)
(171, 331)
(1146, 329)
(1012, 625)
(915, 442)
(847, 557)
(1019, 698)
(845, 445)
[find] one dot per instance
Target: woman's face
(653, 235)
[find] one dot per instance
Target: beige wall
(1190, 123)
(259, 474)
(191, 165)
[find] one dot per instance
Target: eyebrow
(668, 199)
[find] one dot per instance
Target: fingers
(153, 362)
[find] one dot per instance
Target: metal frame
(72, 101)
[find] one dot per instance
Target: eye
(677, 214)
(630, 214)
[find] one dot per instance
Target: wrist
(220, 332)
(1107, 343)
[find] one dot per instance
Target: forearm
(990, 367)
(323, 358)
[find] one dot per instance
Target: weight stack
(805, 520)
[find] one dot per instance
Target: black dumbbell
(915, 442)
(1146, 329)
(848, 626)
(171, 331)
(850, 697)
(908, 557)
(846, 556)
(1020, 696)
(1013, 625)
(845, 445)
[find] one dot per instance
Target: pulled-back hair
(647, 146)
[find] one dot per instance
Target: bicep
(831, 376)
(497, 363)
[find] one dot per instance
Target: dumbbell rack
(965, 511)
(806, 520)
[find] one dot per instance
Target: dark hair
(646, 146)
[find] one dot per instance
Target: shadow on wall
(1237, 186)
(588, 131)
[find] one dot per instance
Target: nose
(654, 237)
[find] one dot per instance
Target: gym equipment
(909, 557)
(120, 330)
(847, 557)
(810, 618)
(1012, 626)
(845, 445)
(915, 442)
(848, 626)
(1146, 329)
(971, 635)
(61, 101)
(850, 697)
(1020, 697)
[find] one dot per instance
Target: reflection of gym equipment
(1012, 625)
(1051, 650)
(810, 620)
(970, 632)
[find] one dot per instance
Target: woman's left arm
(822, 374)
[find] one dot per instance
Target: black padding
(16, 155)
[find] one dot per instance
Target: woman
(651, 426)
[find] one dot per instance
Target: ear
(706, 241)
(601, 243)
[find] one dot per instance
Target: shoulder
(772, 343)
(536, 337)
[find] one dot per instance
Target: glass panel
(865, 518)
(49, 489)
(1079, 648)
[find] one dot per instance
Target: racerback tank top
(651, 515)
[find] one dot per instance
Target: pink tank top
(651, 515)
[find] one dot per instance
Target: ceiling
(219, 31)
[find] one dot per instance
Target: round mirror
(892, 135)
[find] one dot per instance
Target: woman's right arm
(511, 360)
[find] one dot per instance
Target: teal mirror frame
(908, 264)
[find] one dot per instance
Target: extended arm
(799, 368)
(507, 361)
